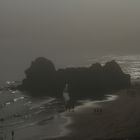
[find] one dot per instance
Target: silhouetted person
(13, 134)
(100, 110)
(97, 110)
(2, 119)
(71, 105)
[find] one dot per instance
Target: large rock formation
(96, 79)
(114, 77)
(40, 78)
(43, 79)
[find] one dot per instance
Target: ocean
(130, 64)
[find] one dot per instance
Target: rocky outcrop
(43, 79)
(96, 79)
(40, 78)
(114, 77)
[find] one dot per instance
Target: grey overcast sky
(65, 31)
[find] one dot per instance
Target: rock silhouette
(42, 79)
(94, 80)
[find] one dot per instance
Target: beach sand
(119, 119)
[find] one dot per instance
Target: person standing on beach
(13, 134)
(72, 105)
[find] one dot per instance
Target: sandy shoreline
(118, 119)
(52, 128)
(69, 115)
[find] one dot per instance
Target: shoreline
(65, 130)
(114, 121)
(54, 128)
(119, 119)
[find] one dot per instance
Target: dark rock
(114, 77)
(42, 79)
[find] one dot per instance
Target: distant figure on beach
(2, 119)
(13, 134)
(70, 106)
(98, 110)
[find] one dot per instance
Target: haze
(65, 31)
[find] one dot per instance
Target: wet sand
(119, 119)
(53, 127)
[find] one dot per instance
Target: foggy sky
(65, 31)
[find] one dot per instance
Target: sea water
(130, 64)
